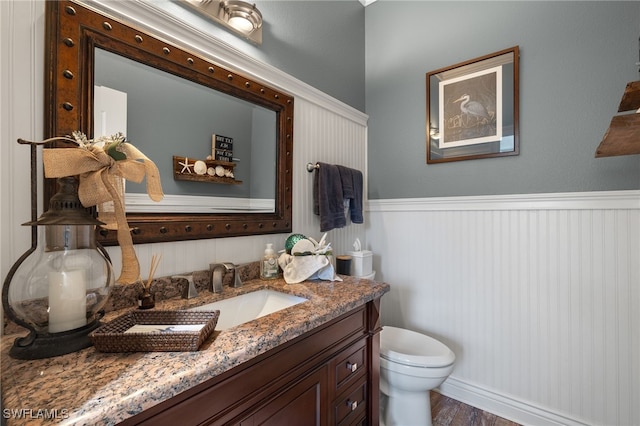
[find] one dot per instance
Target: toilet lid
(415, 349)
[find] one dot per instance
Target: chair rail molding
(627, 199)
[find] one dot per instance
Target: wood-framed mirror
(78, 37)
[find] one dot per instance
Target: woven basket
(111, 337)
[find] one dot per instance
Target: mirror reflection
(171, 116)
(165, 116)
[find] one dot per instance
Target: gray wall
(575, 60)
(319, 42)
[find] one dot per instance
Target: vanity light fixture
(239, 16)
(57, 289)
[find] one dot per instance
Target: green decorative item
(292, 240)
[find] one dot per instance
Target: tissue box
(362, 262)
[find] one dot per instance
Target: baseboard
(504, 406)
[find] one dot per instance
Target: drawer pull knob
(352, 404)
(352, 367)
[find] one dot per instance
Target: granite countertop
(90, 387)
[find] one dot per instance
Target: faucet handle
(189, 291)
(237, 281)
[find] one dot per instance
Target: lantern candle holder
(57, 289)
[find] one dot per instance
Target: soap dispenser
(269, 264)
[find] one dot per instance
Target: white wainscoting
(538, 296)
(320, 135)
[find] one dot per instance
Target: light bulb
(241, 23)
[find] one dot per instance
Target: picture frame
(473, 108)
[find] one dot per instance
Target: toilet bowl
(411, 364)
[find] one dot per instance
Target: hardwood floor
(449, 412)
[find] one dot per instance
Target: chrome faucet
(217, 270)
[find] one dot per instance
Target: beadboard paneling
(325, 136)
(539, 298)
(21, 98)
(320, 135)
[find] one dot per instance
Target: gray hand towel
(328, 199)
(352, 191)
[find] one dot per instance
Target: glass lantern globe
(58, 289)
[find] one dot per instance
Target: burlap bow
(96, 169)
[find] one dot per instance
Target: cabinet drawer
(349, 365)
(351, 405)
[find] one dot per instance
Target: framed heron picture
(472, 109)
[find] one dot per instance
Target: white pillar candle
(67, 300)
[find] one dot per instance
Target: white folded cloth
(300, 268)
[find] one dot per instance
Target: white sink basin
(246, 307)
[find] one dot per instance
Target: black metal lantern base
(47, 345)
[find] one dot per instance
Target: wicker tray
(113, 336)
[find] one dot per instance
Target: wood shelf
(194, 177)
(623, 135)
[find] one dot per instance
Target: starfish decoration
(185, 166)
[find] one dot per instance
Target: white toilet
(411, 364)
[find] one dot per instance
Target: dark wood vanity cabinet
(328, 376)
